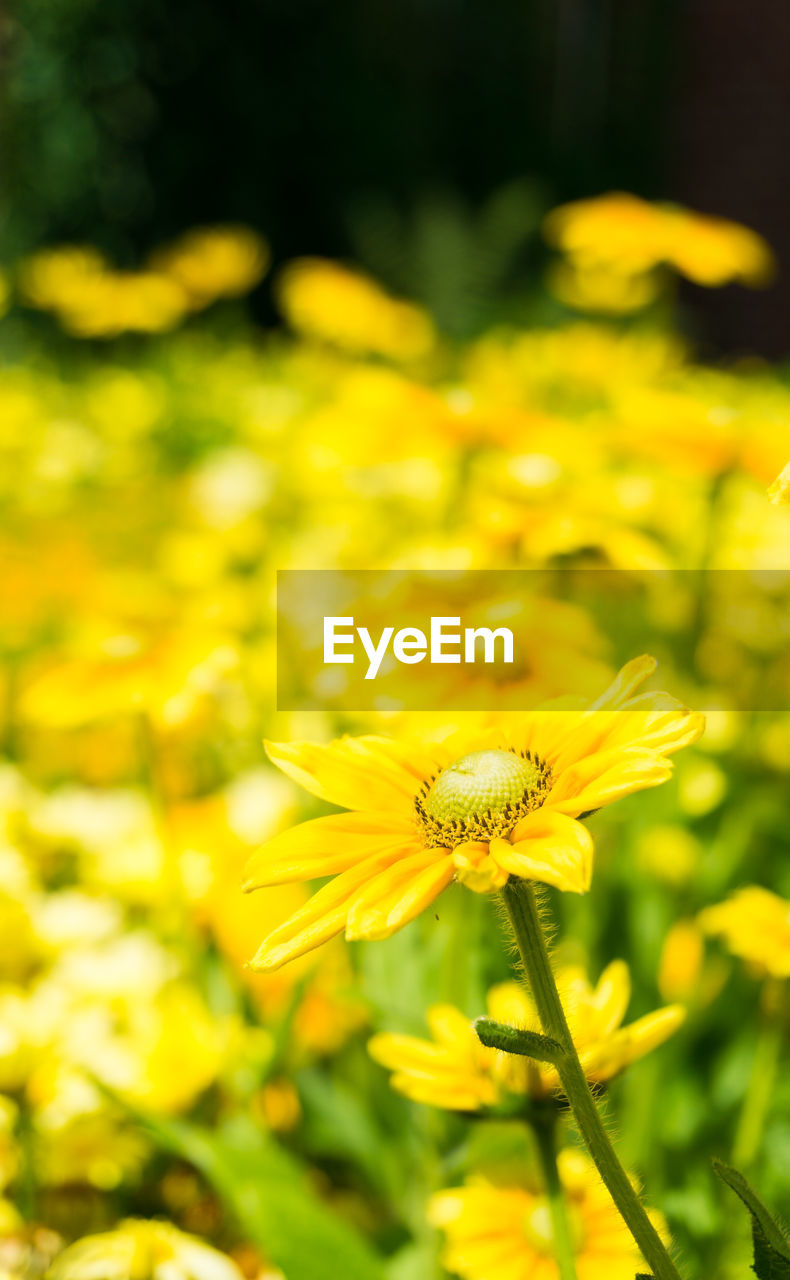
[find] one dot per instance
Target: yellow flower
(599, 288)
(755, 924)
(50, 277)
(456, 1072)
(496, 1232)
(214, 262)
(630, 236)
(144, 1251)
(714, 251)
(485, 804)
(682, 956)
(327, 301)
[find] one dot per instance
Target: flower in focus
(145, 1251)
(755, 925)
(506, 1231)
(214, 262)
(455, 1071)
(487, 803)
(631, 236)
(327, 301)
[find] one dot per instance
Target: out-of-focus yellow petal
(611, 1055)
(612, 995)
(625, 683)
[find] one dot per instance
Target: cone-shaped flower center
(480, 796)
(482, 782)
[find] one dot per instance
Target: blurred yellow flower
(682, 956)
(483, 805)
(143, 1251)
(323, 300)
(92, 300)
(755, 925)
(48, 278)
(454, 1070)
(504, 1232)
(169, 677)
(670, 853)
(625, 234)
(122, 302)
(779, 492)
(599, 288)
(214, 262)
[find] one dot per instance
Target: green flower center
(480, 796)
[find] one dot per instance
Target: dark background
(423, 138)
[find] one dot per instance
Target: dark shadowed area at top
(383, 132)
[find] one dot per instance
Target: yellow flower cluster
(506, 1231)
(455, 1071)
(94, 300)
(613, 245)
(149, 493)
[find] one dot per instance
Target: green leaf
(529, 1044)
(771, 1243)
(268, 1193)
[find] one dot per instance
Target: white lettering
(439, 639)
(331, 639)
(375, 652)
(410, 645)
(473, 634)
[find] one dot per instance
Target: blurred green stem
(756, 1103)
(544, 1127)
(522, 909)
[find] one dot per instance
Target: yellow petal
(450, 1027)
(323, 916)
(457, 1093)
(369, 772)
(323, 847)
(550, 848)
(627, 680)
(508, 1002)
(409, 1053)
(606, 776)
(611, 996)
(398, 894)
(605, 1059)
(475, 868)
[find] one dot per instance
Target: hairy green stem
(521, 905)
(545, 1131)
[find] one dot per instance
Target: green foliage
(267, 1191)
(771, 1243)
